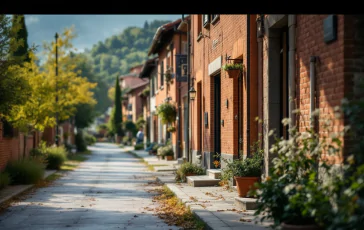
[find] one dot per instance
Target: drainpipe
(291, 68)
(312, 88)
(188, 158)
(179, 105)
(248, 86)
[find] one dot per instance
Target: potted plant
(155, 149)
(171, 129)
(245, 172)
(293, 195)
(233, 69)
(188, 169)
(166, 152)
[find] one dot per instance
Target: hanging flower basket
(167, 112)
(233, 69)
(168, 75)
(171, 129)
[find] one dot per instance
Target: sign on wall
(181, 67)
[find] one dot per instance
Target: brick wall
(12, 148)
(227, 36)
(329, 69)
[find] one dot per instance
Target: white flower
(315, 113)
(286, 121)
(344, 101)
(288, 188)
(271, 132)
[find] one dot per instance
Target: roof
(133, 82)
(148, 67)
(136, 69)
(163, 35)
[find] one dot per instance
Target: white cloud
(32, 19)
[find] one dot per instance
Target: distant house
(132, 105)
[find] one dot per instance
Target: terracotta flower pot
(190, 174)
(233, 73)
(169, 158)
(245, 184)
(285, 226)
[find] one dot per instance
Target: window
(130, 107)
(199, 26)
(130, 117)
(206, 20)
(214, 18)
(184, 48)
(162, 73)
(152, 86)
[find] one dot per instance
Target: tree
(14, 88)
(40, 109)
(85, 115)
(70, 87)
(117, 113)
(22, 34)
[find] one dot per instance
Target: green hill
(118, 53)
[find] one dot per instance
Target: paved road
(106, 192)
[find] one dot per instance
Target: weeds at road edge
(174, 212)
(141, 160)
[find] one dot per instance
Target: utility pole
(57, 134)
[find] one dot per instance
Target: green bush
(38, 154)
(126, 140)
(25, 171)
(4, 179)
(90, 139)
(55, 156)
(165, 151)
(68, 147)
(81, 144)
(139, 146)
(187, 168)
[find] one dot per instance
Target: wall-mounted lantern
(192, 92)
(260, 26)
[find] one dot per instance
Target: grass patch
(73, 161)
(141, 160)
(86, 152)
(174, 212)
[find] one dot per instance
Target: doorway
(217, 117)
(284, 98)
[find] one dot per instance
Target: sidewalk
(13, 190)
(213, 205)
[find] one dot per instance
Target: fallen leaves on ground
(172, 211)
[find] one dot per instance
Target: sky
(90, 29)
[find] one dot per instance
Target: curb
(22, 190)
(198, 212)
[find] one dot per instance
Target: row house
(291, 62)
(168, 53)
(132, 86)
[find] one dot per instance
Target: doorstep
(244, 203)
(202, 181)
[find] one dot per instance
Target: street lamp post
(57, 134)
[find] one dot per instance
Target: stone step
(202, 181)
(214, 173)
(164, 169)
(245, 203)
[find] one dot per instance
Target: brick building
(282, 55)
(170, 46)
(312, 59)
(132, 103)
